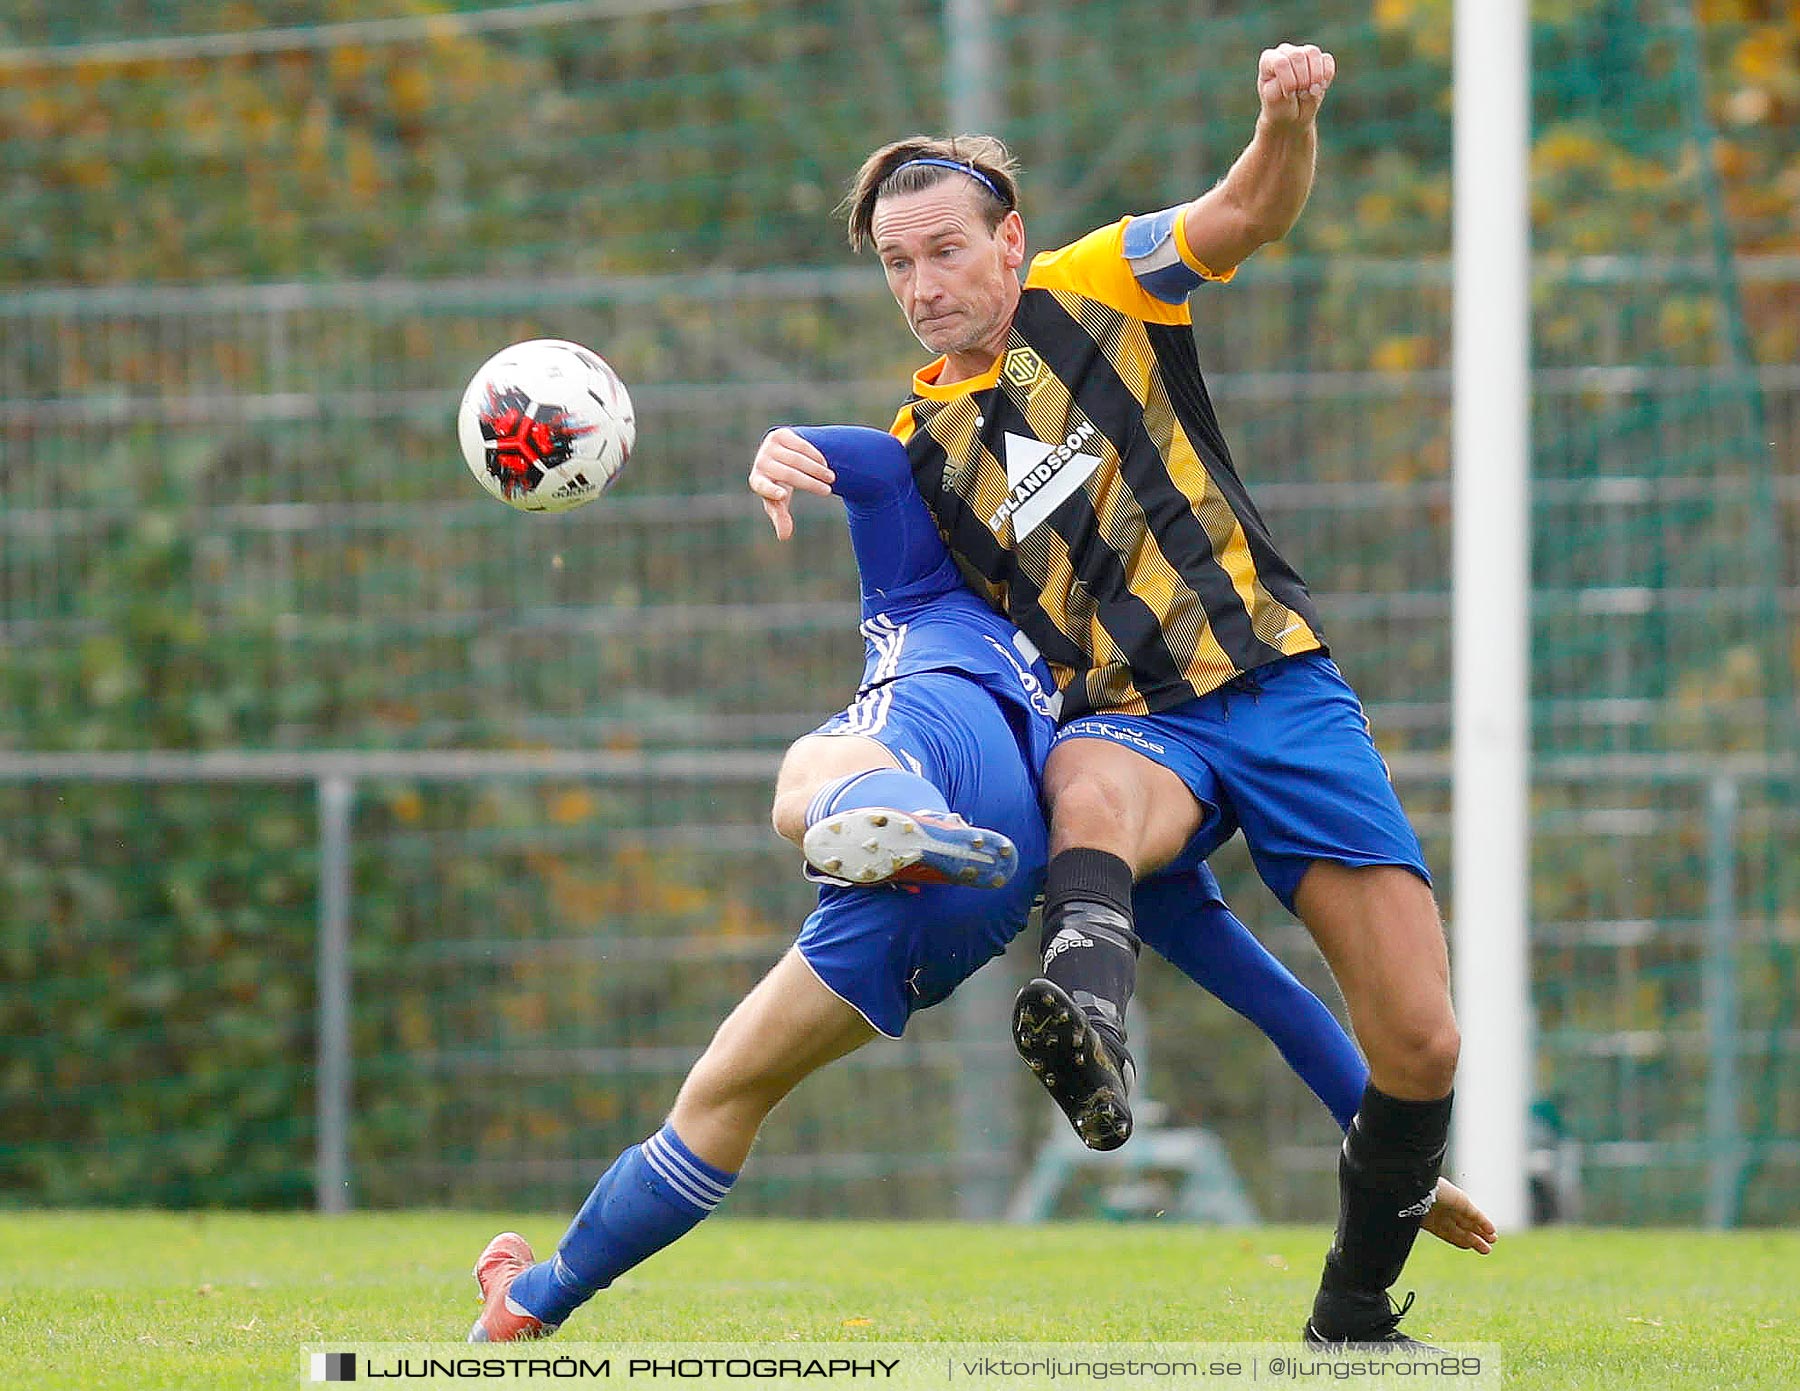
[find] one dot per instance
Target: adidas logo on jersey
(1064, 941)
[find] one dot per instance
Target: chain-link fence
(233, 523)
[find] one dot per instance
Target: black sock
(1387, 1178)
(1090, 947)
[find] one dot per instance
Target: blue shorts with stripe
(891, 949)
(1285, 753)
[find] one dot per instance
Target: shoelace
(1117, 1052)
(1396, 1313)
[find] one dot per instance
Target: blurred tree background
(253, 251)
(720, 134)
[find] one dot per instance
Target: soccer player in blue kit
(1066, 442)
(918, 808)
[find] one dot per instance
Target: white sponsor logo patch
(1040, 477)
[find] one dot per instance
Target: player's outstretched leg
(888, 826)
(654, 1193)
(1379, 929)
(1187, 921)
(786, 1028)
(1069, 1024)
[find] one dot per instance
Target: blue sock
(875, 787)
(654, 1193)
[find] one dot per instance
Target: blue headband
(960, 168)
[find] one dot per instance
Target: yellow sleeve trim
(1095, 266)
(1193, 262)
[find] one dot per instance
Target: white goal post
(1491, 605)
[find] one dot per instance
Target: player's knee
(805, 768)
(1438, 1053)
(809, 764)
(1103, 798)
(1419, 1057)
(1089, 798)
(714, 1090)
(787, 814)
(1095, 811)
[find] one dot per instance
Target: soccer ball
(546, 425)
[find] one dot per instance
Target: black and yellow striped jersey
(1085, 489)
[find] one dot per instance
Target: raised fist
(1291, 80)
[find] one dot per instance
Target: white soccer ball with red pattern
(546, 425)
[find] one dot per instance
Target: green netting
(247, 274)
(1663, 628)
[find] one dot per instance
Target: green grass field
(142, 1300)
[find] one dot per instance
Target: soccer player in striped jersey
(918, 809)
(1066, 444)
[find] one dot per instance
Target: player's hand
(1291, 80)
(784, 462)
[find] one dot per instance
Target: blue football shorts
(1285, 753)
(890, 949)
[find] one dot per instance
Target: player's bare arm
(786, 461)
(1262, 195)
